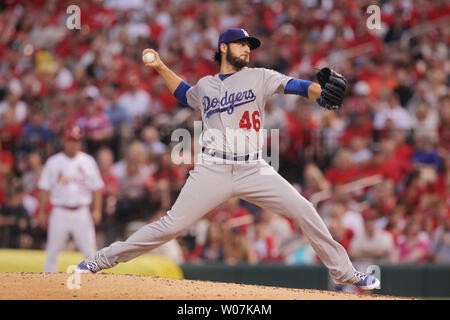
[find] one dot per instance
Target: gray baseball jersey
(233, 109)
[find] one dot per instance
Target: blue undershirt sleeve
(180, 92)
(298, 87)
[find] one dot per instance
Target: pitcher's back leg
(205, 189)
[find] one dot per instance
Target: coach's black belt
(225, 156)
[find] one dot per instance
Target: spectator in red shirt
(6, 162)
(6, 166)
(232, 209)
(413, 246)
(361, 126)
(342, 170)
(395, 168)
(162, 99)
(98, 130)
(382, 80)
(416, 185)
(300, 129)
(385, 162)
(430, 209)
(403, 150)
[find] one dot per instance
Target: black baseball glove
(333, 87)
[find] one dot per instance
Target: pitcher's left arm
(329, 92)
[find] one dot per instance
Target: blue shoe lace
(92, 265)
(360, 275)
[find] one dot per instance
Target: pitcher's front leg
(272, 192)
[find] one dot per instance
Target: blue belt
(225, 156)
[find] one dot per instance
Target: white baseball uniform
(233, 116)
(70, 182)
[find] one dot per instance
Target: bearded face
(238, 54)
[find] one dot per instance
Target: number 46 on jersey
(248, 122)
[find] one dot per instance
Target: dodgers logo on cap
(235, 34)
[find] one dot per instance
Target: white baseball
(149, 57)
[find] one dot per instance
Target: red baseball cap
(369, 214)
(73, 133)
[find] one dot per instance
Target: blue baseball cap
(235, 34)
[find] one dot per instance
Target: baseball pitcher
(232, 107)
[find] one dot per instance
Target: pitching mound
(63, 286)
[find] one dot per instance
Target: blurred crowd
(393, 132)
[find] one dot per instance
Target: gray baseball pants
(210, 184)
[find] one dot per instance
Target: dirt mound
(64, 286)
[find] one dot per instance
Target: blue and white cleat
(88, 266)
(361, 280)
